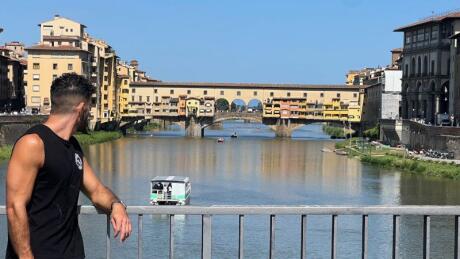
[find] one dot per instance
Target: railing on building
(273, 211)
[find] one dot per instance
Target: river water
(258, 169)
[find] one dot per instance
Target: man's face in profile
(83, 121)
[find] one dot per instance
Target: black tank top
(52, 209)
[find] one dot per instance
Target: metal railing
(206, 212)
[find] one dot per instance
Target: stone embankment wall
(13, 127)
(419, 136)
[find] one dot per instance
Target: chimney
(134, 63)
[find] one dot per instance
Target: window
(148, 99)
(189, 91)
(54, 77)
(69, 66)
(321, 95)
(406, 70)
(238, 93)
(106, 78)
(55, 66)
(132, 98)
(408, 38)
(255, 93)
(36, 66)
(171, 91)
(434, 32)
(355, 95)
(36, 99)
(425, 66)
(338, 95)
(105, 97)
(305, 95)
(133, 90)
(205, 92)
(288, 94)
(432, 67)
(271, 94)
(140, 98)
(155, 91)
(36, 88)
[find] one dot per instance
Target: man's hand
(120, 222)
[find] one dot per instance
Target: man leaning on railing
(45, 174)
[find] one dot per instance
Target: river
(258, 169)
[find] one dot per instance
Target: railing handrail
(432, 210)
(207, 212)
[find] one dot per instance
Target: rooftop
(171, 179)
(242, 85)
(431, 19)
(55, 48)
(63, 37)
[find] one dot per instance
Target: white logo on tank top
(78, 161)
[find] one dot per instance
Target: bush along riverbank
(389, 158)
(335, 132)
(5, 152)
(93, 137)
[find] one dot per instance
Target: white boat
(170, 190)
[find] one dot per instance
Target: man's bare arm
(104, 198)
(28, 156)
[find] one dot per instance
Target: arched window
(412, 67)
(419, 66)
(425, 66)
(432, 67)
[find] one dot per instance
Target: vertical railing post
(395, 253)
(426, 237)
(206, 239)
(457, 240)
(171, 236)
(139, 235)
(334, 237)
(364, 235)
(303, 237)
(272, 237)
(241, 237)
(107, 247)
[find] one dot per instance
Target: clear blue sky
(285, 41)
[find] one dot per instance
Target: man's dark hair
(69, 90)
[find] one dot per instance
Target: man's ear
(79, 107)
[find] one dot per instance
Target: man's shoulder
(31, 140)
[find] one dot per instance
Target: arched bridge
(226, 116)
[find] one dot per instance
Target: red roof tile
(431, 19)
(55, 48)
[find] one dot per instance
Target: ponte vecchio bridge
(282, 107)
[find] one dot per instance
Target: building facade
(12, 89)
(428, 84)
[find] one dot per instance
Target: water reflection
(258, 169)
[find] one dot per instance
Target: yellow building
(60, 51)
(65, 47)
(134, 101)
(104, 76)
(46, 63)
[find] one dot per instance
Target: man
(45, 174)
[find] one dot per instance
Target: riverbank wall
(417, 136)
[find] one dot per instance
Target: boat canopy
(172, 179)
